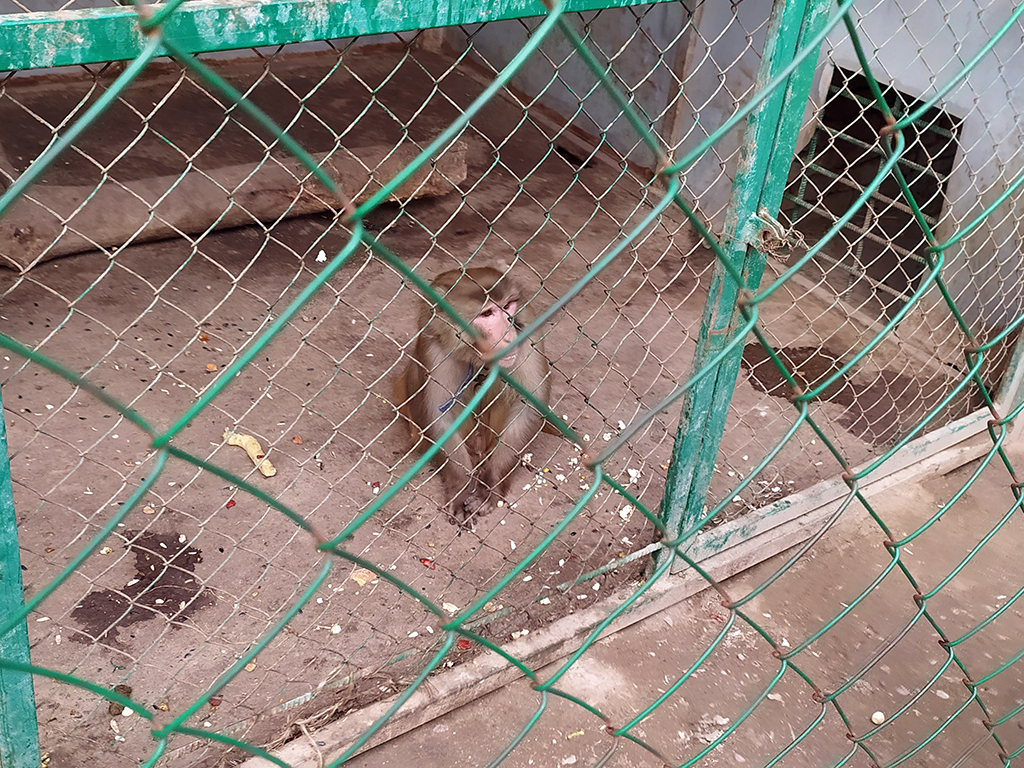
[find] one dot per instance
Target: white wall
(688, 84)
(721, 68)
(646, 64)
(922, 51)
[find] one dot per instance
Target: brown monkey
(447, 367)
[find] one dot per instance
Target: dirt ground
(199, 571)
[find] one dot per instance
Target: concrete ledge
(54, 221)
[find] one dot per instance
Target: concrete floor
(621, 675)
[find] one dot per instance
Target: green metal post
(766, 154)
(19, 734)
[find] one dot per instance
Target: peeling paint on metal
(35, 40)
(251, 15)
(389, 8)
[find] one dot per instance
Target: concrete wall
(645, 64)
(721, 66)
(917, 51)
(692, 67)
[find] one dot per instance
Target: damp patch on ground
(165, 583)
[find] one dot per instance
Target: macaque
(447, 367)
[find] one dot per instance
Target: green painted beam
(34, 40)
(769, 143)
(19, 735)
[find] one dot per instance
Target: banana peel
(253, 448)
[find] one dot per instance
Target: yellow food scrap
(362, 576)
(252, 447)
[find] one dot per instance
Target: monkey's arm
(434, 379)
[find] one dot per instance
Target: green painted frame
(36, 40)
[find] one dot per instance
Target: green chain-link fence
(796, 221)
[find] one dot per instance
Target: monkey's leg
(459, 476)
(513, 426)
(405, 384)
(433, 409)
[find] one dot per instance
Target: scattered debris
(115, 708)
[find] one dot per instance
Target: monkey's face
(497, 328)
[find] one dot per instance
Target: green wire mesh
(859, 292)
